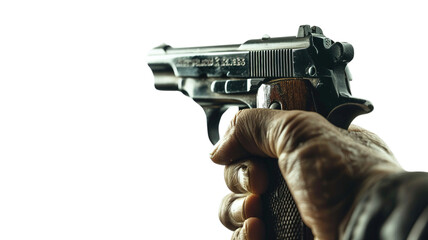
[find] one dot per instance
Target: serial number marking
(211, 62)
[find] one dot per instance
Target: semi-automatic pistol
(304, 72)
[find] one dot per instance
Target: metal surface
(218, 77)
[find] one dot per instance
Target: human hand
(326, 168)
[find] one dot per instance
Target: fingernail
(243, 178)
(237, 209)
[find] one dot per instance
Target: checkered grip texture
(281, 216)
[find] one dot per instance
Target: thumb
(263, 133)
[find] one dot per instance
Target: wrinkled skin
(326, 168)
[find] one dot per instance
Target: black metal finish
(310, 55)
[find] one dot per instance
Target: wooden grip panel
(291, 94)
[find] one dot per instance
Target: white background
(89, 149)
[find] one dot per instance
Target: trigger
(213, 114)
(348, 110)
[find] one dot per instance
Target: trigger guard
(213, 114)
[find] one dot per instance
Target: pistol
(305, 72)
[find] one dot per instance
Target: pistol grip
(281, 216)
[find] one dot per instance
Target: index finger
(266, 133)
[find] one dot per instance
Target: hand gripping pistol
(307, 72)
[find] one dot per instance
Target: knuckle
(240, 116)
(242, 123)
(250, 118)
(299, 127)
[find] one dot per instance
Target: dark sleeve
(396, 207)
